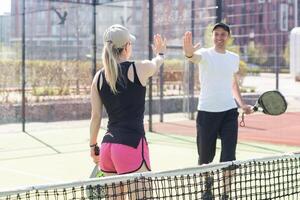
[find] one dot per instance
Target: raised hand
(159, 44)
(188, 47)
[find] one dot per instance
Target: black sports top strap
(136, 78)
(98, 81)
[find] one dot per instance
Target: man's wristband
(188, 56)
(93, 145)
(161, 54)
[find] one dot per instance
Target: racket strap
(242, 123)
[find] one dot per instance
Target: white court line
(28, 174)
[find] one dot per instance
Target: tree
(286, 54)
(257, 54)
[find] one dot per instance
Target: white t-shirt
(216, 72)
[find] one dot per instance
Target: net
(267, 178)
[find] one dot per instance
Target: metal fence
(54, 54)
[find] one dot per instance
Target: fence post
(150, 55)
(161, 94)
(275, 48)
(23, 68)
(94, 33)
(191, 68)
(219, 11)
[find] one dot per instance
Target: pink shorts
(123, 159)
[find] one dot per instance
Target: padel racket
(270, 103)
(97, 191)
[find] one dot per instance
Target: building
(50, 35)
(5, 29)
(5, 34)
(267, 23)
(262, 25)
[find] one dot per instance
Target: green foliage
(45, 78)
(56, 77)
(243, 68)
(286, 53)
(257, 54)
(254, 70)
(232, 47)
(50, 91)
(244, 89)
(173, 64)
(9, 78)
(208, 42)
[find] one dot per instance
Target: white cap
(118, 35)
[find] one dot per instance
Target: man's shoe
(209, 181)
(207, 195)
(224, 197)
(208, 184)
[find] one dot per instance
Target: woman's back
(125, 109)
(121, 88)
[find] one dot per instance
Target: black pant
(210, 126)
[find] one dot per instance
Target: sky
(4, 6)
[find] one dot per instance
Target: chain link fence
(59, 59)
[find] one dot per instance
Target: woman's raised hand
(159, 44)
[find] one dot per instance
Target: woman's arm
(148, 68)
(96, 116)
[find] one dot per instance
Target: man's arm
(238, 97)
(196, 58)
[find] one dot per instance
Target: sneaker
(209, 181)
(224, 197)
(207, 195)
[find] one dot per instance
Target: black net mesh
(269, 178)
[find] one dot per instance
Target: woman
(121, 87)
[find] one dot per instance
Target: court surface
(59, 152)
(283, 129)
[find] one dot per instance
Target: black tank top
(125, 109)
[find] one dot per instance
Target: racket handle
(97, 150)
(255, 108)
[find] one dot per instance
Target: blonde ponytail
(109, 60)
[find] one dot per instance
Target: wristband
(94, 145)
(161, 54)
(188, 56)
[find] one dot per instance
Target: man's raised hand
(188, 47)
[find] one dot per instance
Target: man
(217, 110)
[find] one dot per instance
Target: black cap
(221, 25)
